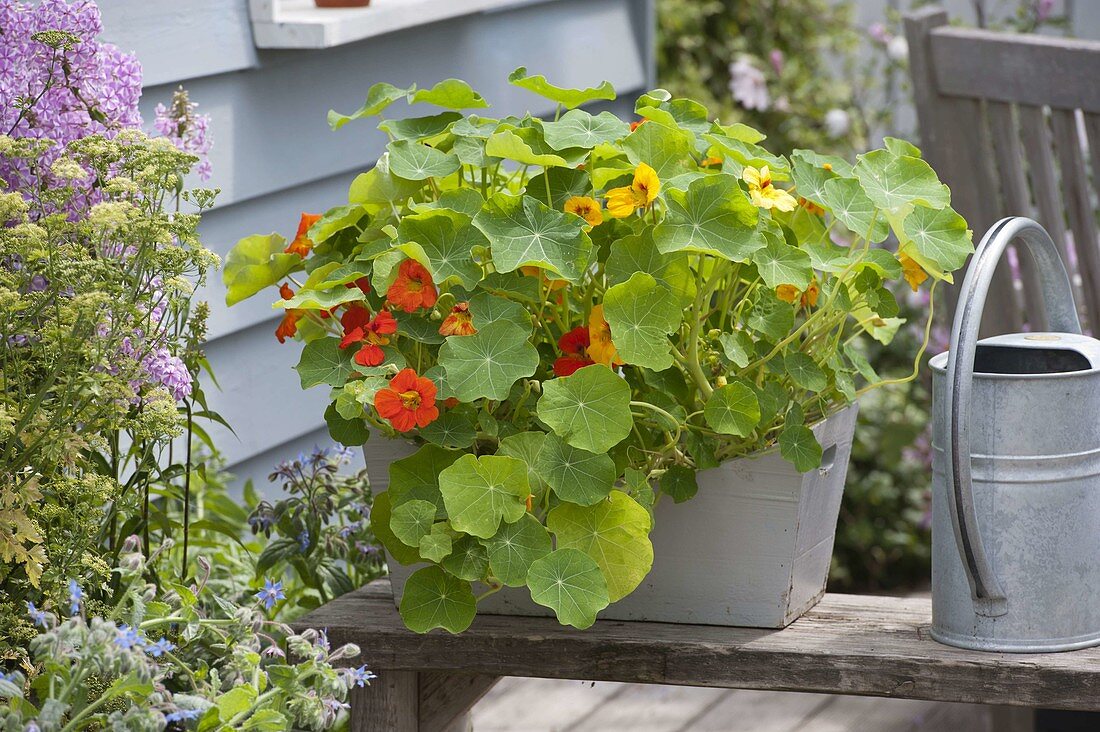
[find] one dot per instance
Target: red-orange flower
(460, 322)
(285, 292)
(288, 326)
(407, 401)
(635, 125)
(363, 283)
(413, 287)
(359, 327)
(574, 345)
(302, 244)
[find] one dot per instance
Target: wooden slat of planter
(848, 644)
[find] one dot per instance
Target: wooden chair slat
(1071, 160)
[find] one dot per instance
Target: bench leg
(408, 701)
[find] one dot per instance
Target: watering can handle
(988, 595)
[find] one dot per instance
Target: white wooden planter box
(752, 548)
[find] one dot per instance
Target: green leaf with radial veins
(445, 240)
(525, 446)
(436, 545)
(435, 599)
(565, 183)
(804, 372)
(733, 409)
(799, 447)
(576, 475)
(414, 161)
(487, 309)
(379, 96)
(378, 187)
(770, 316)
(641, 314)
(589, 409)
(577, 128)
(941, 235)
(419, 128)
(480, 492)
(849, 203)
(568, 98)
(380, 516)
(713, 217)
(487, 363)
(323, 362)
(521, 146)
(614, 533)
(638, 253)
(523, 231)
(451, 430)
(417, 477)
(412, 521)
(667, 150)
(468, 559)
(781, 264)
(809, 179)
(893, 181)
(254, 263)
(570, 583)
(515, 547)
(450, 94)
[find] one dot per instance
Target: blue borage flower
(271, 594)
(182, 715)
(76, 595)
(128, 638)
(40, 617)
(361, 676)
(161, 647)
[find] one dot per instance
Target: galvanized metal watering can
(1016, 469)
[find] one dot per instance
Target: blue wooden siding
(274, 155)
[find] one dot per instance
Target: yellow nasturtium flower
(600, 348)
(914, 274)
(621, 202)
(585, 207)
(763, 193)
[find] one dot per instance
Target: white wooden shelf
(300, 24)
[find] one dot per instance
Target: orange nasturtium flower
(788, 293)
(288, 326)
(710, 162)
(359, 327)
(637, 123)
(763, 193)
(600, 347)
(302, 244)
(621, 202)
(413, 287)
(585, 207)
(791, 294)
(914, 274)
(574, 345)
(811, 208)
(459, 322)
(407, 401)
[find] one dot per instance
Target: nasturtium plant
(573, 317)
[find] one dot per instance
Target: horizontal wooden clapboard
(848, 644)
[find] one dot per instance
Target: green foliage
(565, 363)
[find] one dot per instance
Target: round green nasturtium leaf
(576, 475)
(577, 128)
(487, 363)
(809, 179)
(733, 410)
(799, 447)
(642, 314)
(435, 599)
(589, 409)
(853, 208)
(380, 515)
(351, 432)
(441, 241)
(525, 446)
(638, 253)
(452, 430)
(515, 547)
(564, 183)
(804, 372)
(614, 533)
(487, 309)
(414, 161)
(450, 94)
(468, 559)
(570, 583)
(737, 347)
(379, 96)
(893, 181)
(480, 492)
(770, 316)
(254, 263)
(418, 128)
(568, 98)
(323, 362)
(668, 150)
(412, 521)
(523, 231)
(781, 264)
(940, 235)
(436, 544)
(417, 477)
(378, 187)
(679, 483)
(525, 146)
(713, 217)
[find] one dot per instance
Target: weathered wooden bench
(848, 644)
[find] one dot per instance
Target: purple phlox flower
(164, 368)
(271, 594)
(188, 130)
(182, 715)
(1043, 9)
(75, 596)
(303, 540)
(128, 638)
(40, 617)
(161, 647)
(879, 33)
(361, 676)
(748, 85)
(776, 59)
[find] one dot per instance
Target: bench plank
(848, 644)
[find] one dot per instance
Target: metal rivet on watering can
(1016, 469)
